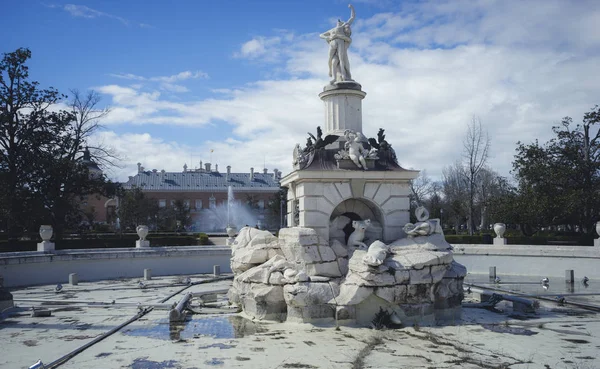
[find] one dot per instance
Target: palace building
(205, 191)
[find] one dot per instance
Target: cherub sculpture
(356, 152)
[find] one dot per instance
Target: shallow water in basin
(232, 326)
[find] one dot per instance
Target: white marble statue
(356, 152)
(339, 40)
(376, 254)
(424, 226)
(356, 237)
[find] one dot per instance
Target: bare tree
(87, 121)
(422, 187)
(455, 193)
(476, 146)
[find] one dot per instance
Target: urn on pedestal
(499, 228)
(142, 231)
(45, 233)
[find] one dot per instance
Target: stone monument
(349, 253)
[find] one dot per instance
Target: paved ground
(554, 337)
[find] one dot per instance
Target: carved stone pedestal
(343, 107)
(45, 246)
(141, 244)
(499, 241)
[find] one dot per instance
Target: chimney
(228, 173)
(154, 170)
(162, 175)
(140, 169)
(201, 166)
(265, 170)
(277, 173)
(217, 168)
(207, 167)
(184, 168)
(251, 174)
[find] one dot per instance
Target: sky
(237, 82)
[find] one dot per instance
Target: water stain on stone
(257, 349)
(241, 358)
(509, 329)
(309, 343)
(572, 340)
(144, 363)
(30, 343)
(221, 346)
(68, 308)
(104, 354)
(214, 362)
(298, 365)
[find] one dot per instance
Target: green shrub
(203, 239)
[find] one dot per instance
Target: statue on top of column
(339, 40)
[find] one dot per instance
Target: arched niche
(340, 221)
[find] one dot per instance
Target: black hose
(70, 355)
(195, 283)
(67, 357)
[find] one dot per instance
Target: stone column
(343, 108)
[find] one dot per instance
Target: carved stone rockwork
(300, 277)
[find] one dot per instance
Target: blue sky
(242, 77)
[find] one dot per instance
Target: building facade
(206, 191)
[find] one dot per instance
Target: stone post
(570, 276)
(73, 279)
(147, 274)
(492, 272)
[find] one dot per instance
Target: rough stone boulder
(252, 247)
(303, 247)
(310, 301)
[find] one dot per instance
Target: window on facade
(212, 202)
(261, 204)
(162, 203)
(198, 204)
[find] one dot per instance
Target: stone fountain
(349, 253)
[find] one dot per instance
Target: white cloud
(83, 11)
(156, 153)
(166, 83)
(426, 71)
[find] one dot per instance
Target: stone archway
(340, 221)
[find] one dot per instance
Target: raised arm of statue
(349, 22)
(325, 35)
